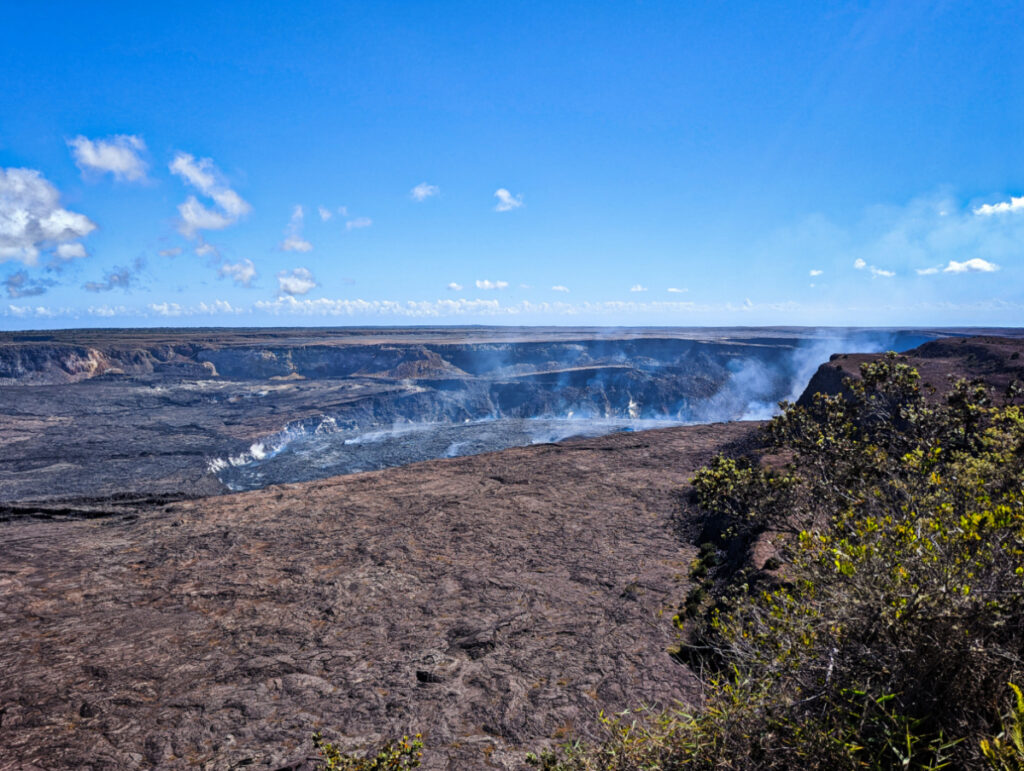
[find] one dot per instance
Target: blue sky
(619, 163)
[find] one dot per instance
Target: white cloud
(203, 176)
(214, 307)
(423, 191)
(195, 216)
(507, 201)
(118, 155)
(638, 288)
(559, 288)
(166, 309)
(340, 307)
(32, 220)
(816, 272)
(487, 284)
(205, 249)
(294, 242)
(973, 265)
(677, 290)
(71, 251)
(174, 252)
(525, 311)
(358, 222)
(455, 287)
(296, 282)
(478, 307)
(242, 273)
(988, 209)
(203, 308)
(343, 211)
(859, 264)
(921, 237)
(324, 212)
(106, 311)
(24, 311)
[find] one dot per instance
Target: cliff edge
(998, 361)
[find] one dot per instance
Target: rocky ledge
(996, 361)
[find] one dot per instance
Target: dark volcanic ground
(146, 437)
(491, 602)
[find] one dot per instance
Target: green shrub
(889, 638)
(393, 756)
(1005, 752)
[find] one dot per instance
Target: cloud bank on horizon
(613, 201)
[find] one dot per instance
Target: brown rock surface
(998, 361)
(491, 602)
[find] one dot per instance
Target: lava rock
(483, 613)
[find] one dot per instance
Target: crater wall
(98, 413)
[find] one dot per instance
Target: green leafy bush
(393, 756)
(896, 620)
(1005, 752)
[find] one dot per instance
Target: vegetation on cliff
(889, 633)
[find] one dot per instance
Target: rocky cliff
(997, 361)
